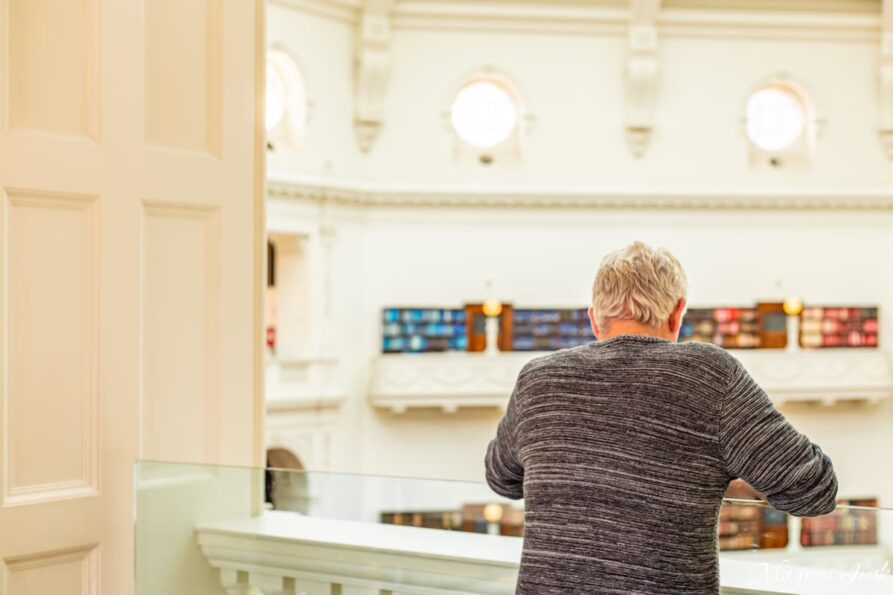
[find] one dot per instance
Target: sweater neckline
(631, 339)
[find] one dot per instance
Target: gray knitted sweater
(622, 450)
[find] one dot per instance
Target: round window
(776, 118)
(484, 114)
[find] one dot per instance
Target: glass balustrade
(203, 530)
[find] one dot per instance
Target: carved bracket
(641, 74)
(373, 67)
(886, 76)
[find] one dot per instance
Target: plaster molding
(886, 80)
(315, 402)
(788, 19)
(321, 191)
(454, 380)
(848, 20)
(641, 74)
(751, 24)
(373, 70)
(285, 553)
(306, 554)
(347, 11)
(855, 6)
(513, 17)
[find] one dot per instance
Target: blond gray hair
(638, 283)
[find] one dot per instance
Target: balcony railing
(205, 530)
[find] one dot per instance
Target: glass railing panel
(394, 500)
(172, 499)
(765, 551)
(203, 530)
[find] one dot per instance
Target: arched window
(286, 100)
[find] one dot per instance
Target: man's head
(638, 290)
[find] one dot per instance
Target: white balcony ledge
(285, 553)
(453, 380)
(297, 384)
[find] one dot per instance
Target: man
(622, 448)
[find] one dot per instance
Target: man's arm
(505, 474)
(760, 446)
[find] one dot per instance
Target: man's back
(623, 449)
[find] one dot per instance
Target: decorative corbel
(373, 66)
(886, 79)
(641, 74)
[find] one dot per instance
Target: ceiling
(850, 6)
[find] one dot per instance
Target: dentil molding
(852, 20)
(326, 191)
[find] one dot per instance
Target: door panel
(131, 160)
(53, 66)
(184, 53)
(181, 338)
(74, 571)
(52, 386)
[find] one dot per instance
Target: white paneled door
(130, 205)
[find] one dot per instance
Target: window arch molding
(779, 122)
(287, 99)
(499, 142)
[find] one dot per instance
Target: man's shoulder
(709, 354)
(704, 349)
(559, 358)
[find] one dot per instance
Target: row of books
(473, 518)
(741, 526)
(851, 526)
(745, 526)
(416, 330)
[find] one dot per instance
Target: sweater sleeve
(760, 446)
(505, 473)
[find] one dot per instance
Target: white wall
(323, 49)
(572, 86)
(572, 83)
(388, 256)
(540, 258)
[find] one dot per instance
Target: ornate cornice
(854, 6)
(341, 10)
(596, 198)
(840, 19)
(789, 19)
